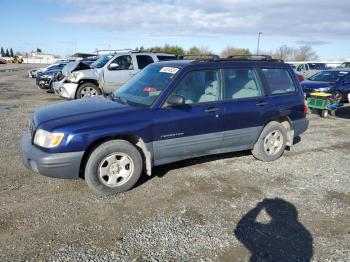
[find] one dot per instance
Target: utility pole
(257, 48)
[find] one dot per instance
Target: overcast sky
(61, 26)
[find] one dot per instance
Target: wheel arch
(87, 80)
(135, 140)
(287, 123)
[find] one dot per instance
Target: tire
(88, 90)
(333, 112)
(277, 146)
(324, 113)
(113, 167)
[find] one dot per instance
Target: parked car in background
(309, 69)
(3, 60)
(45, 78)
(168, 112)
(108, 73)
(59, 65)
(345, 65)
(335, 81)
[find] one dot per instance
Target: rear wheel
(271, 143)
(113, 167)
(88, 90)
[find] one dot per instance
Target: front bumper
(43, 83)
(66, 90)
(59, 165)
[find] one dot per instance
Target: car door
(118, 71)
(247, 107)
(302, 69)
(195, 128)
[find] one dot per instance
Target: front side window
(199, 87)
(144, 60)
(279, 80)
(146, 86)
(301, 68)
(241, 83)
(123, 62)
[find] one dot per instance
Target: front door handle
(212, 110)
(262, 103)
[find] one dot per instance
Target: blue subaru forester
(168, 112)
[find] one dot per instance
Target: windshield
(317, 66)
(145, 87)
(329, 76)
(99, 63)
(344, 65)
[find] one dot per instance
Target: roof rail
(113, 51)
(203, 57)
(253, 58)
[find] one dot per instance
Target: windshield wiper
(113, 97)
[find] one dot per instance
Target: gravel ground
(206, 209)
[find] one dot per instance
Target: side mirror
(113, 66)
(175, 101)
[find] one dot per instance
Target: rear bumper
(300, 126)
(59, 165)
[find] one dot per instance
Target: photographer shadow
(282, 238)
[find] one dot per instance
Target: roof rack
(198, 58)
(113, 51)
(252, 58)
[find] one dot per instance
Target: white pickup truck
(106, 74)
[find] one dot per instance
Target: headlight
(47, 139)
(323, 89)
(72, 77)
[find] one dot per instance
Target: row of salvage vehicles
(94, 75)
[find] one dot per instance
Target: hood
(78, 112)
(48, 72)
(67, 69)
(315, 84)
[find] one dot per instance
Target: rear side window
(241, 83)
(144, 60)
(279, 80)
(166, 57)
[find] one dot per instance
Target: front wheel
(88, 90)
(271, 143)
(113, 167)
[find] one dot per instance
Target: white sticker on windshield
(344, 73)
(169, 70)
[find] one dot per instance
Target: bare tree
(306, 53)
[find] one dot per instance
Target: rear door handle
(262, 103)
(212, 110)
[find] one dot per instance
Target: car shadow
(160, 171)
(282, 238)
(343, 112)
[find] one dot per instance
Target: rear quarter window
(279, 80)
(166, 58)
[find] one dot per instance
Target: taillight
(305, 109)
